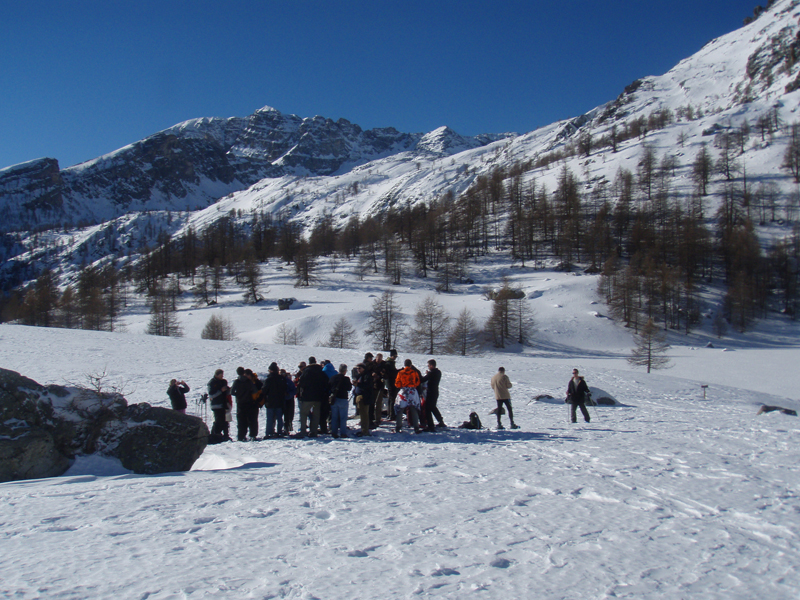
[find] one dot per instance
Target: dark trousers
(432, 411)
(220, 425)
(324, 415)
(391, 400)
(508, 408)
(246, 419)
(288, 415)
(309, 411)
(574, 411)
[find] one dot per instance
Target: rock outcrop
(43, 428)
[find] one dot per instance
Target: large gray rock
(42, 429)
(31, 455)
(160, 440)
(28, 447)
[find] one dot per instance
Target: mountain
(302, 170)
(193, 164)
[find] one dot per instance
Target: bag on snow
(473, 423)
(215, 438)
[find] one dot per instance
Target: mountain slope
(192, 164)
(301, 169)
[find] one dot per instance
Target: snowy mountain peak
(444, 141)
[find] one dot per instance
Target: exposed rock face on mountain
(33, 189)
(43, 428)
(193, 164)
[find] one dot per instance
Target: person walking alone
(501, 385)
(576, 396)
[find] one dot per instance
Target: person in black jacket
(218, 398)
(177, 394)
(364, 391)
(389, 373)
(432, 378)
(340, 387)
(313, 391)
(576, 396)
(246, 408)
(274, 393)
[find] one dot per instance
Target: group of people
(376, 386)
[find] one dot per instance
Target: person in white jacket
(501, 385)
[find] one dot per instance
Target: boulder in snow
(42, 429)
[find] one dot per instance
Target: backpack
(473, 423)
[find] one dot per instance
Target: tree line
(654, 244)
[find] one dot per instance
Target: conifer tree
(385, 322)
(431, 327)
(342, 335)
(791, 158)
(163, 316)
(701, 170)
(305, 266)
(287, 336)
(251, 281)
(650, 348)
(463, 338)
(218, 328)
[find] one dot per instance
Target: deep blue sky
(81, 78)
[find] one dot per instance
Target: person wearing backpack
(576, 396)
(501, 385)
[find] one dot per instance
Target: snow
(677, 491)
(664, 495)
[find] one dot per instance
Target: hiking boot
(514, 426)
(500, 426)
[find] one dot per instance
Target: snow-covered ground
(666, 495)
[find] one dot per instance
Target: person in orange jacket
(407, 381)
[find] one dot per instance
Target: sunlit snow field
(666, 495)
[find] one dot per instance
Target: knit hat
(273, 367)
